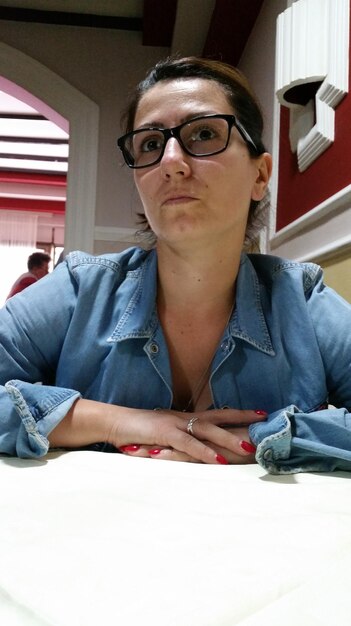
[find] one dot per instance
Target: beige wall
(337, 273)
(258, 62)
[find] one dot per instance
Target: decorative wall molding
(323, 232)
(312, 48)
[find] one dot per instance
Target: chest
(191, 350)
(150, 372)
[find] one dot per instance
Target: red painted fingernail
(248, 447)
(155, 451)
(221, 459)
(261, 413)
(132, 447)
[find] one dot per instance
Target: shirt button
(153, 348)
(225, 346)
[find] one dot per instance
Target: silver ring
(189, 428)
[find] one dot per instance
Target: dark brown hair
(37, 259)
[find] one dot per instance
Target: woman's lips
(178, 199)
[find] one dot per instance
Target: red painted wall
(27, 204)
(33, 204)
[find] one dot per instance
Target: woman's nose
(174, 159)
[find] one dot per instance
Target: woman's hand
(219, 436)
(224, 433)
(223, 455)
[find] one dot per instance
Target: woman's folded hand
(218, 437)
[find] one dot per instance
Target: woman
(192, 326)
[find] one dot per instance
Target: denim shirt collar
(140, 319)
(248, 321)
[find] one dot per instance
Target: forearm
(89, 422)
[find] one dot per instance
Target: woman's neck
(189, 279)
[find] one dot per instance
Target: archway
(61, 102)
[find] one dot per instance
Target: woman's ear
(263, 166)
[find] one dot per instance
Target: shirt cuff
(273, 440)
(292, 441)
(40, 409)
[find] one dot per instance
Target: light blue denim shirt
(90, 329)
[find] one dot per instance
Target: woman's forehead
(183, 95)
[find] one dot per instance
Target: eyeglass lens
(200, 137)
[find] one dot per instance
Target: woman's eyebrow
(184, 119)
(146, 125)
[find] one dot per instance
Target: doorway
(60, 102)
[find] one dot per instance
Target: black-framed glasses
(199, 137)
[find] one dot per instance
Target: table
(94, 539)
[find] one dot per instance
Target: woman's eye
(150, 144)
(203, 134)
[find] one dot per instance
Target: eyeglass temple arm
(245, 135)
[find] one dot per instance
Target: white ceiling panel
(52, 167)
(34, 149)
(42, 129)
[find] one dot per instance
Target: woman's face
(188, 198)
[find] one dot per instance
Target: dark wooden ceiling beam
(158, 22)
(230, 28)
(65, 18)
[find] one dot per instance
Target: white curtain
(18, 239)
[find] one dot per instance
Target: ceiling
(215, 28)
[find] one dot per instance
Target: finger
(135, 450)
(235, 459)
(155, 452)
(240, 418)
(168, 454)
(220, 437)
(230, 417)
(198, 451)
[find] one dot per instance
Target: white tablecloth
(93, 539)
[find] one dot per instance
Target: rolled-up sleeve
(302, 439)
(33, 411)
(291, 441)
(33, 325)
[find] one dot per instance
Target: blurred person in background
(38, 267)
